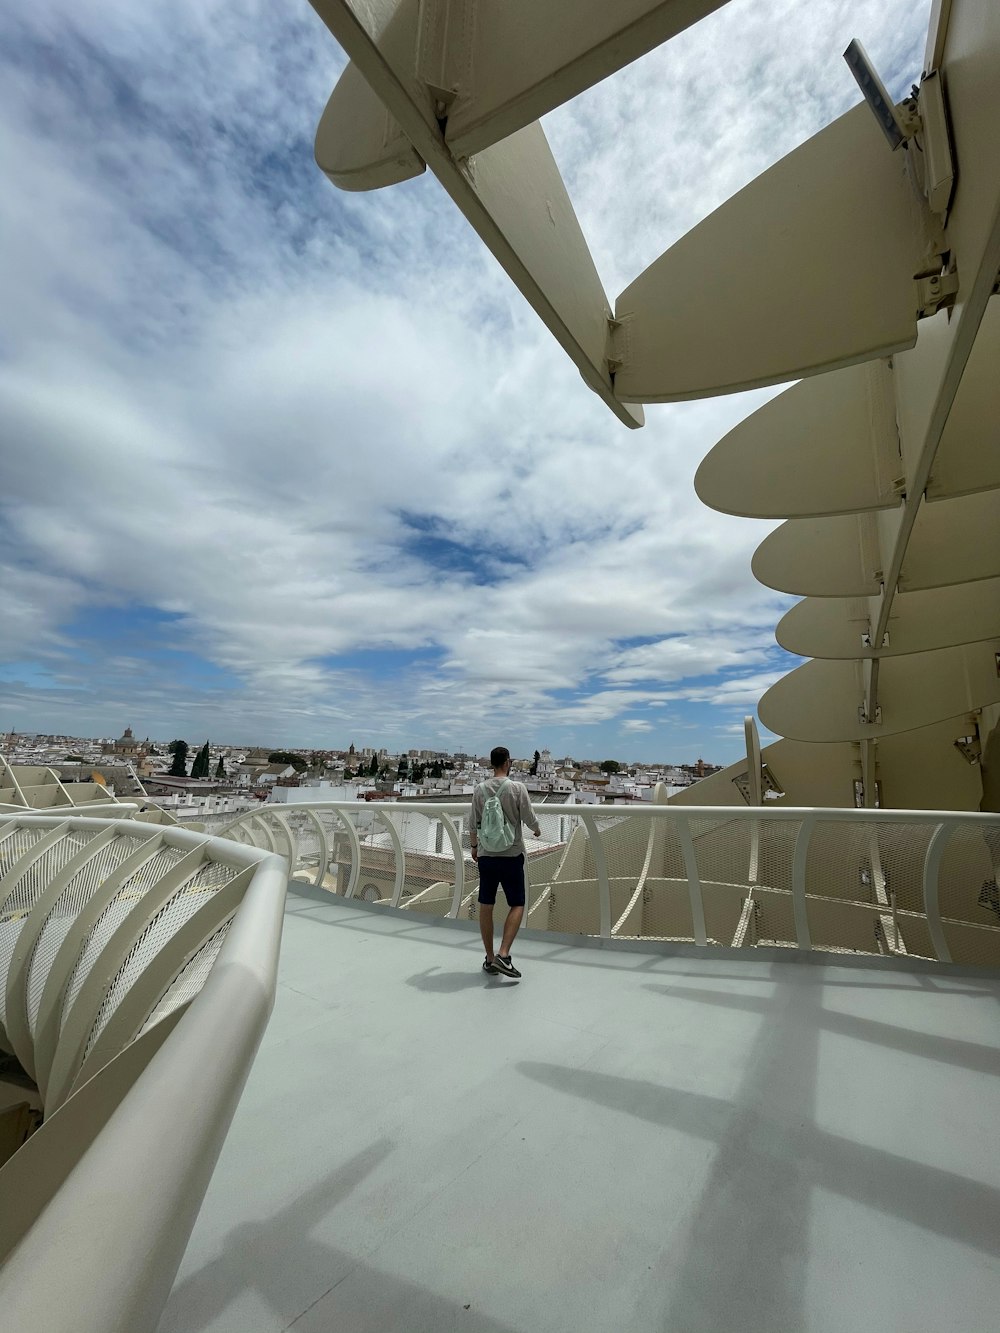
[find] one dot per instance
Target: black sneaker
(489, 967)
(505, 966)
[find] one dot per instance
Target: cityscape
(214, 782)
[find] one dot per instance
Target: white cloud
(224, 385)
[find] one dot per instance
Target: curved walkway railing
(137, 973)
(914, 882)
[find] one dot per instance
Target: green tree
(220, 768)
(609, 766)
(199, 769)
(373, 766)
(534, 764)
(436, 770)
(404, 765)
(418, 773)
(286, 757)
(348, 775)
(179, 749)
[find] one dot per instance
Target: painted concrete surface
(621, 1141)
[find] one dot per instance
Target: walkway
(621, 1141)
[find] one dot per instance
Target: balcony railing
(889, 882)
(138, 965)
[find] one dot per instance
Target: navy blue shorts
(506, 872)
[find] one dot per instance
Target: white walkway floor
(621, 1141)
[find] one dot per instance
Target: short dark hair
(499, 756)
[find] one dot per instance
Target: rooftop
(632, 1137)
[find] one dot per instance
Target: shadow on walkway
(294, 1274)
(433, 979)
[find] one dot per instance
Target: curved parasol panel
(358, 144)
(955, 541)
(832, 627)
(968, 457)
(523, 58)
(820, 701)
(808, 269)
(826, 446)
(821, 557)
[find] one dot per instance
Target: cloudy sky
(287, 465)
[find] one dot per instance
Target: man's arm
(528, 815)
(474, 826)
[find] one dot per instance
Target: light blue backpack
(495, 832)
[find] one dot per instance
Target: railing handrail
(690, 824)
(219, 848)
(653, 811)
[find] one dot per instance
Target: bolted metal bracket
(934, 292)
(617, 344)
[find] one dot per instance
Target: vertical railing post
(262, 819)
(399, 855)
(802, 936)
(323, 848)
(355, 841)
(932, 907)
(693, 879)
(455, 839)
(600, 872)
(291, 837)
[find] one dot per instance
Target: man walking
(499, 808)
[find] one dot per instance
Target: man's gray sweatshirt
(516, 805)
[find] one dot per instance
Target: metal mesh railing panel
(189, 981)
(969, 894)
(574, 907)
(859, 875)
(15, 841)
(40, 873)
(26, 893)
(744, 852)
(124, 901)
(64, 913)
(179, 909)
(625, 842)
(665, 904)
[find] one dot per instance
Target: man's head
(500, 758)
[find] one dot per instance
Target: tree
(436, 770)
(418, 773)
(373, 766)
(286, 757)
(179, 749)
(199, 769)
(609, 766)
(534, 764)
(348, 775)
(220, 768)
(404, 765)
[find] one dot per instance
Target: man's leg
(513, 887)
(510, 928)
(486, 928)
